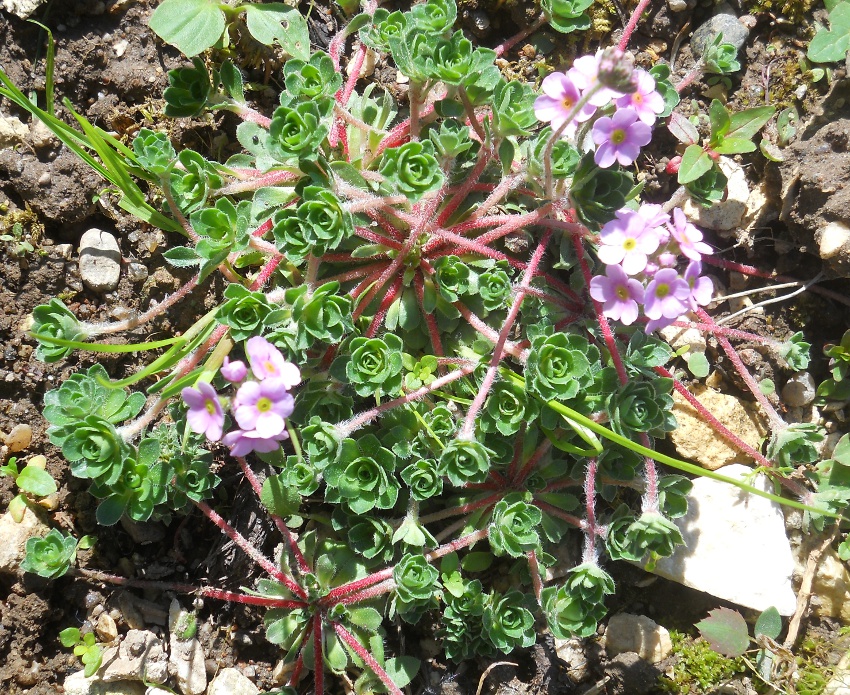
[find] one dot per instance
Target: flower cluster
(589, 89)
(261, 404)
(644, 245)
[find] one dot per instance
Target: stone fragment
(186, 661)
(19, 438)
(15, 535)
(834, 240)
(735, 545)
(106, 629)
(839, 684)
(679, 337)
(78, 684)
(230, 681)
(12, 131)
(695, 439)
(679, 5)
(140, 656)
(572, 652)
(41, 137)
(627, 632)
(831, 587)
(799, 390)
(153, 690)
(726, 215)
(100, 260)
(724, 22)
(137, 272)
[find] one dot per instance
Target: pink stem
(250, 550)
(463, 192)
(508, 44)
(319, 664)
(554, 511)
(461, 509)
(430, 319)
(534, 570)
(386, 302)
(532, 462)
(272, 178)
(368, 659)
(281, 525)
(373, 591)
(632, 25)
(589, 554)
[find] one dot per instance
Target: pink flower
(233, 371)
(263, 406)
(627, 240)
(688, 237)
(556, 103)
(658, 324)
(585, 74)
(267, 362)
(619, 138)
(205, 415)
(655, 218)
(701, 288)
(619, 293)
(666, 295)
(242, 443)
(646, 102)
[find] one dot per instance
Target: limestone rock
(679, 337)
(695, 439)
(724, 22)
(186, 661)
(100, 260)
(799, 390)
(627, 632)
(230, 681)
(78, 684)
(726, 215)
(572, 652)
(831, 588)
(105, 628)
(735, 545)
(12, 131)
(140, 656)
(839, 684)
(834, 240)
(15, 535)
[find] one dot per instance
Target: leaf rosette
(423, 479)
(513, 528)
(415, 582)
(464, 461)
(559, 365)
(362, 476)
(51, 556)
(412, 169)
(297, 132)
(55, 320)
(507, 621)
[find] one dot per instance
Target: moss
(698, 668)
(793, 10)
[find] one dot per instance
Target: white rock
(695, 439)
(105, 628)
(140, 656)
(41, 136)
(78, 684)
(627, 632)
(14, 537)
(12, 131)
(735, 545)
(799, 390)
(19, 438)
(839, 684)
(573, 653)
(100, 260)
(831, 587)
(834, 240)
(186, 661)
(679, 337)
(229, 681)
(727, 214)
(677, 5)
(22, 8)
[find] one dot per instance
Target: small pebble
(121, 47)
(105, 628)
(137, 272)
(726, 23)
(44, 180)
(799, 390)
(19, 438)
(100, 260)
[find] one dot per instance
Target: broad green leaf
(769, 623)
(735, 146)
(192, 26)
(725, 631)
(69, 637)
(365, 617)
(695, 163)
(182, 257)
(682, 129)
(36, 481)
(697, 364)
(276, 22)
(718, 116)
(110, 510)
(745, 124)
(402, 669)
(831, 46)
(278, 498)
(17, 508)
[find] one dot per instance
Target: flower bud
(233, 371)
(616, 70)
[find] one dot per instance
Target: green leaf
(735, 146)
(726, 632)
(192, 26)
(278, 497)
(182, 257)
(831, 46)
(745, 124)
(402, 669)
(769, 623)
(365, 617)
(718, 116)
(36, 481)
(110, 511)
(276, 22)
(682, 129)
(697, 364)
(476, 561)
(695, 163)
(69, 637)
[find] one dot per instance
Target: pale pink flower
(242, 443)
(557, 102)
(666, 295)
(263, 406)
(646, 102)
(688, 237)
(701, 288)
(205, 415)
(585, 75)
(234, 371)
(619, 138)
(619, 293)
(627, 240)
(268, 362)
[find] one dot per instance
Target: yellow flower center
(264, 404)
(617, 136)
(622, 292)
(630, 244)
(209, 404)
(567, 103)
(662, 290)
(270, 368)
